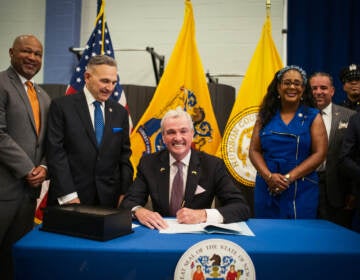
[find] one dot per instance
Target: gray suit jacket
(21, 148)
(335, 187)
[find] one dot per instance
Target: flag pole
(101, 14)
(284, 32)
(268, 8)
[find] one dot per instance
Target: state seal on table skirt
(218, 259)
(235, 146)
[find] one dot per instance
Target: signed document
(240, 228)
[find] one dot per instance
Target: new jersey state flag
(182, 84)
(237, 134)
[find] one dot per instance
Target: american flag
(98, 43)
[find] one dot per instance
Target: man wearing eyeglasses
(350, 78)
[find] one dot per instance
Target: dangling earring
(301, 98)
(278, 96)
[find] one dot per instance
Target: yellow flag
(182, 84)
(234, 147)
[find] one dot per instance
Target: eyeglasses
(288, 83)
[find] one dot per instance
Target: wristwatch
(134, 210)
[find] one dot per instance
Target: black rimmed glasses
(288, 83)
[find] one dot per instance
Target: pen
(183, 204)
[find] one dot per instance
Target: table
(280, 249)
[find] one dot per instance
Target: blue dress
(285, 147)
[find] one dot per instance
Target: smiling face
(26, 55)
(101, 80)
(322, 90)
(291, 87)
(178, 136)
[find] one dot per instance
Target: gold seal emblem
(215, 259)
(235, 146)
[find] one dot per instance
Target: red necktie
(34, 102)
(177, 192)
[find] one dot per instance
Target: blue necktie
(98, 121)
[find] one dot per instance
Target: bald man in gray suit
(22, 164)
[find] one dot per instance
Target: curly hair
(272, 103)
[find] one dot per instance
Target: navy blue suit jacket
(76, 164)
(204, 170)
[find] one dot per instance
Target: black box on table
(91, 222)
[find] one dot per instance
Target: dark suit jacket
(21, 148)
(350, 154)
(204, 170)
(75, 162)
(335, 187)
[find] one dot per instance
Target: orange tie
(34, 104)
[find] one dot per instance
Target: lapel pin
(110, 110)
(162, 169)
(194, 172)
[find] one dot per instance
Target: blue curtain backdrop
(324, 35)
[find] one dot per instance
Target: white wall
(20, 17)
(227, 33)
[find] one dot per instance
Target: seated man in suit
(182, 182)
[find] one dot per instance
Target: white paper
(240, 228)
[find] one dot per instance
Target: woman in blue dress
(288, 143)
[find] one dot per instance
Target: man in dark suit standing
(84, 166)
(199, 176)
(335, 196)
(350, 164)
(23, 118)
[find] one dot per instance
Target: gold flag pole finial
(268, 7)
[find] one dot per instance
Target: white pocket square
(342, 125)
(199, 189)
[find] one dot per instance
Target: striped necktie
(34, 102)
(177, 191)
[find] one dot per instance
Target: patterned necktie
(98, 121)
(322, 166)
(34, 102)
(177, 192)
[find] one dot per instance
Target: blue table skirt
(280, 249)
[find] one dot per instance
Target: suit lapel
(163, 177)
(192, 177)
(108, 123)
(335, 118)
(20, 90)
(43, 111)
(81, 107)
